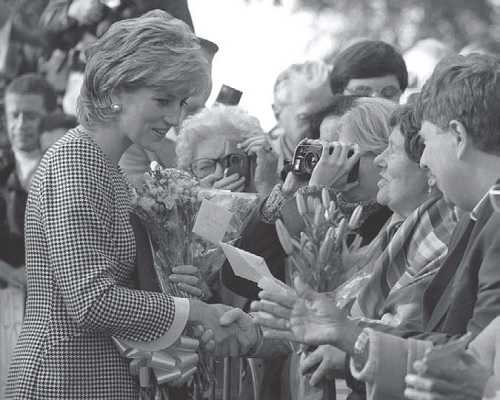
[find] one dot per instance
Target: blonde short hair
(226, 122)
(367, 123)
(153, 51)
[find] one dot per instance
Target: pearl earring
(116, 107)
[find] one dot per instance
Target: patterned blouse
(80, 253)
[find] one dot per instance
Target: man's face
(386, 87)
(24, 114)
(440, 157)
(294, 116)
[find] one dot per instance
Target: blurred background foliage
(401, 22)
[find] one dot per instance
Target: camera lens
(310, 161)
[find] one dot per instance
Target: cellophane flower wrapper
(209, 257)
(167, 204)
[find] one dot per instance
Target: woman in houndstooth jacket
(79, 242)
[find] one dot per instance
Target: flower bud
(284, 237)
(341, 232)
(325, 198)
(354, 221)
(301, 204)
(326, 246)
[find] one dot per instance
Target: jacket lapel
(440, 291)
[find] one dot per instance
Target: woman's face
(210, 149)
(403, 184)
(146, 115)
(368, 173)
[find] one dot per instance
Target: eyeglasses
(387, 92)
(203, 167)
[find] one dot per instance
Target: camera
(228, 96)
(307, 155)
(239, 163)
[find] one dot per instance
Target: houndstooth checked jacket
(80, 254)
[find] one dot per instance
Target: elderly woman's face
(147, 115)
(368, 172)
(211, 150)
(403, 184)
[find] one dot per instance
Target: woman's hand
(334, 165)
(266, 175)
(188, 278)
(464, 379)
(315, 318)
(273, 311)
(86, 12)
(234, 182)
(323, 362)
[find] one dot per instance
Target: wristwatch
(361, 349)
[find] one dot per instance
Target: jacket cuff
(173, 333)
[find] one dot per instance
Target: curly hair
(226, 122)
(404, 117)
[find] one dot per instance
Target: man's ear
(461, 137)
(276, 110)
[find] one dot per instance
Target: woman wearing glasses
(225, 148)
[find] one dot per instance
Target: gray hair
(153, 51)
(227, 122)
(313, 76)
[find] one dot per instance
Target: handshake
(225, 330)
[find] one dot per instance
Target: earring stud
(116, 107)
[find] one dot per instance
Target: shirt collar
(475, 210)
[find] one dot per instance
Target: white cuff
(173, 333)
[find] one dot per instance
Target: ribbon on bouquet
(179, 361)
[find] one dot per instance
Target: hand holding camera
(333, 164)
(266, 162)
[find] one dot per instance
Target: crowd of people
(119, 84)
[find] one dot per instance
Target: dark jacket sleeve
(258, 238)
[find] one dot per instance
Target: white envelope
(246, 265)
(212, 221)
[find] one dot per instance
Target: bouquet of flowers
(317, 255)
(167, 204)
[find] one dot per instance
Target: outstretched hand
(315, 318)
(301, 315)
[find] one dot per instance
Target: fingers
(232, 182)
(414, 394)
(269, 321)
(271, 308)
(187, 279)
(303, 289)
(310, 361)
(253, 144)
(320, 373)
(278, 334)
(433, 387)
(231, 316)
(193, 290)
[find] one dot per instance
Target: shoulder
(74, 162)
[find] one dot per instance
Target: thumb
(230, 317)
(303, 289)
